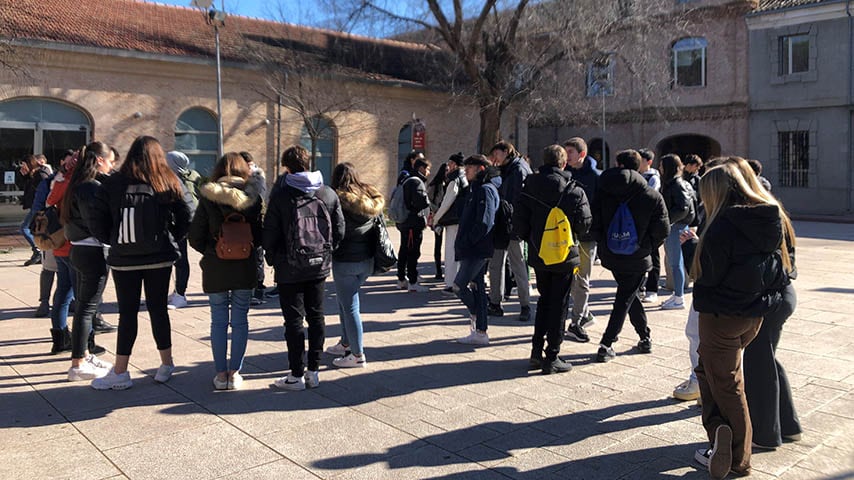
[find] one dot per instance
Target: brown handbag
(235, 238)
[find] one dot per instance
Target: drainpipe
(848, 201)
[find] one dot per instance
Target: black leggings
(129, 284)
(91, 271)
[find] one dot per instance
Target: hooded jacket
(513, 175)
(679, 200)
(741, 268)
(416, 201)
(180, 164)
(543, 191)
(648, 211)
(477, 219)
(360, 210)
(279, 218)
(587, 178)
(216, 201)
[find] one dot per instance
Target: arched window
(196, 136)
(319, 137)
(404, 144)
(689, 62)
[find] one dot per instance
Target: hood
(305, 181)
(235, 192)
(490, 174)
(178, 162)
(590, 163)
(621, 183)
(759, 223)
(367, 205)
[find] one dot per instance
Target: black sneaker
(605, 354)
(587, 320)
(495, 310)
(525, 314)
(555, 366)
(645, 345)
(102, 326)
(43, 310)
(35, 259)
(577, 333)
(535, 363)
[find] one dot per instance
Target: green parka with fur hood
(216, 201)
(359, 209)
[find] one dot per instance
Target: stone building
(115, 69)
(801, 87)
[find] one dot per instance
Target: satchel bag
(48, 232)
(384, 256)
(235, 238)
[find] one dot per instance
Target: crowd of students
(133, 219)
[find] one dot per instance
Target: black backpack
(141, 229)
(308, 238)
(503, 225)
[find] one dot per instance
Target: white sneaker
(113, 381)
(351, 361)
(687, 390)
(650, 297)
(475, 338)
(416, 287)
(176, 301)
(338, 349)
(402, 284)
(312, 380)
(290, 383)
(86, 371)
(235, 382)
(164, 373)
(98, 363)
(673, 303)
(220, 384)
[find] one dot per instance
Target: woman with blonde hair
(740, 273)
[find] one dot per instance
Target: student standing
(412, 229)
(141, 212)
(180, 164)
(679, 200)
(447, 217)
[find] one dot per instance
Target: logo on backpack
(622, 236)
(140, 230)
(557, 236)
(235, 238)
(309, 238)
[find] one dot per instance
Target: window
(794, 54)
(196, 135)
(320, 143)
(794, 158)
(689, 62)
(600, 77)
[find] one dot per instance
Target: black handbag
(384, 256)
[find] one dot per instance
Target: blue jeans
(473, 270)
(239, 301)
(673, 250)
(349, 276)
(63, 294)
(25, 228)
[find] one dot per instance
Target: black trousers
(437, 253)
(627, 300)
(769, 394)
(182, 269)
(303, 301)
(129, 286)
(410, 252)
(655, 273)
(548, 322)
(91, 271)
(259, 272)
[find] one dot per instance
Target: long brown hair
(85, 170)
(346, 179)
(232, 164)
(146, 162)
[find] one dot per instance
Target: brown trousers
(721, 379)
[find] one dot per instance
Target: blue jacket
(587, 177)
(513, 175)
(477, 219)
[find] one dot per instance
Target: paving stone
(41, 460)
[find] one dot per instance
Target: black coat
(216, 201)
(82, 209)
(360, 239)
(741, 267)
(416, 201)
(679, 200)
(588, 178)
(648, 211)
(542, 192)
(30, 184)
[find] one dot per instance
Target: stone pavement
(425, 407)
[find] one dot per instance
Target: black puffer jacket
(416, 201)
(217, 200)
(174, 222)
(83, 209)
(543, 191)
(30, 184)
(741, 268)
(648, 211)
(679, 199)
(360, 210)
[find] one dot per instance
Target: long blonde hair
(724, 186)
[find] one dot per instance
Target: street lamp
(215, 18)
(604, 80)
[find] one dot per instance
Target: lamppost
(216, 19)
(604, 80)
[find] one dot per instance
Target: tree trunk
(490, 127)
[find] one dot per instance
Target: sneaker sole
(358, 365)
(720, 461)
(673, 307)
(289, 388)
(686, 397)
(117, 386)
(571, 336)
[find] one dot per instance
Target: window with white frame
(600, 77)
(689, 62)
(794, 54)
(794, 158)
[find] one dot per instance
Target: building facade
(801, 102)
